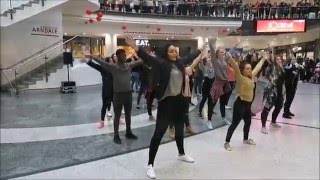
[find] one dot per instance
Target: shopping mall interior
(59, 59)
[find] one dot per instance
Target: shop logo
(142, 42)
(45, 31)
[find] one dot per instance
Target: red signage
(281, 25)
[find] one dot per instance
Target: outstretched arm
(260, 64)
(234, 65)
(105, 65)
(212, 46)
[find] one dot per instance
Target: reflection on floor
(289, 152)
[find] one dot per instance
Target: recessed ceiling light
(246, 39)
(83, 33)
(228, 29)
(139, 36)
(167, 38)
(287, 36)
(65, 34)
(274, 38)
(172, 37)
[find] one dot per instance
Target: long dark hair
(242, 65)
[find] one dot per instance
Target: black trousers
(142, 90)
(223, 102)
(150, 98)
(106, 104)
(277, 102)
(232, 85)
(291, 89)
(241, 110)
(198, 84)
(206, 86)
(122, 99)
(170, 109)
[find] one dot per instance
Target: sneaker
(190, 130)
(275, 125)
(130, 135)
(286, 115)
(122, 111)
(185, 158)
(249, 142)
(228, 107)
(116, 139)
(264, 130)
(227, 146)
(109, 114)
(209, 125)
(171, 133)
(101, 124)
(122, 122)
(151, 118)
(227, 121)
(200, 115)
(150, 172)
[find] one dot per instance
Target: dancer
(107, 87)
(220, 87)
(291, 68)
(242, 106)
(122, 90)
(168, 80)
(187, 93)
(273, 92)
(208, 74)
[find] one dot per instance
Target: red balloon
(191, 29)
(88, 11)
(123, 27)
(91, 20)
(98, 18)
(158, 29)
(100, 14)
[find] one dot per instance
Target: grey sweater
(121, 73)
(207, 71)
(220, 67)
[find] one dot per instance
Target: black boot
(130, 135)
(116, 139)
(290, 113)
(286, 115)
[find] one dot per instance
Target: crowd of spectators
(217, 8)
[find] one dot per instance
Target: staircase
(38, 74)
(22, 6)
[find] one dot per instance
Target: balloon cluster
(98, 18)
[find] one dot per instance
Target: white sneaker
(109, 114)
(227, 121)
(122, 111)
(264, 130)
(276, 125)
(228, 107)
(185, 158)
(150, 172)
(209, 125)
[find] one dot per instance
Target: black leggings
(241, 110)
(170, 109)
(122, 99)
(223, 102)
(232, 85)
(277, 102)
(187, 101)
(290, 93)
(143, 88)
(206, 86)
(106, 104)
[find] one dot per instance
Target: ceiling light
(172, 37)
(65, 34)
(228, 29)
(83, 33)
(274, 38)
(287, 36)
(167, 38)
(139, 36)
(246, 39)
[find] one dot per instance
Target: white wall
(17, 43)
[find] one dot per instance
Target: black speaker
(67, 58)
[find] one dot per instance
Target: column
(317, 49)
(111, 44)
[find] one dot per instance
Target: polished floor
(291, 152)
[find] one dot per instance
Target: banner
(282, 25)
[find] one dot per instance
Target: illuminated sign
(281, 25)
(142, 42)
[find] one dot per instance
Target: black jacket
(107, 80)
(161, 69)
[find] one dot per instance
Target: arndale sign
(45, 31)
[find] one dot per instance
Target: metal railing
(13, 5)
(33, 59)
(210, 9)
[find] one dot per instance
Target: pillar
(111, 44)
